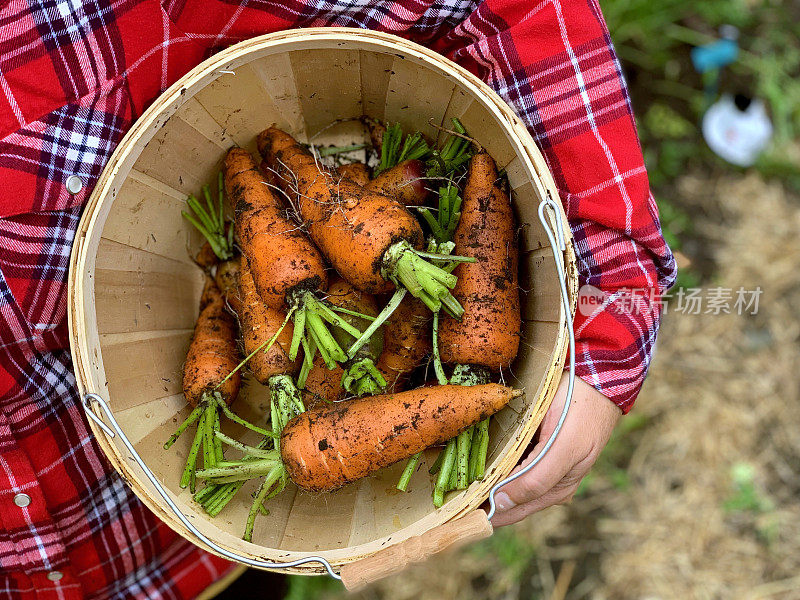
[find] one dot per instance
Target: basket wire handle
(555, 234)
(559, 247)
(115, 430)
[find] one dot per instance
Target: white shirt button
(74, 184)
(55, 575)
(22, 500)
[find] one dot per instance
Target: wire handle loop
(558, 244)
(115, 430)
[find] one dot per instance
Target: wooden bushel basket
(134, 289)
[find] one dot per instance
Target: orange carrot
(209, 383)
(323, 385)
(282, 258)
(287, 268)
(406, 342)
(356, 172)
(371, 240)
(212, 352)
(206, 257)
(259, 323)
(489, 332)
(329, 446)
(227, 278)
(404, 182)
(351, 228)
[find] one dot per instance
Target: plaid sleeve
(554, 63)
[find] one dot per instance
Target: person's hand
(585, 432)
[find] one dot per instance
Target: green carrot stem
(275, 419)
(217, 442)
(248, 450)
(482, 434)
(221, 199)
(189, 472)
(265, 346)
(443, 480)
(445, 257)
(309, 350)
(198, 210)
(438, 368)
(205, 493)
(242, 472)
(346, 311)
(224, 498)
(361, 377)
(193, 416)
(402, 264)
(463, 444)
(387, 311)
(273, 476)
(452, 307)
(451, 484)
(313, 304)
(237, 419)
(251, 517)
(326, 343)
(323, 352)
(437, 464)
(411, 466)
(209, 454)
(212, 210)
(432, 222)
(299, 330)
(210, 238)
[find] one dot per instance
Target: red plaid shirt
(73, 78)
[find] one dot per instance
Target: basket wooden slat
(134, 290)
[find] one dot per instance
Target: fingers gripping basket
(134, 289)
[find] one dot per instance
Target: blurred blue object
(716, 54)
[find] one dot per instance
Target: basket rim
(83, 331)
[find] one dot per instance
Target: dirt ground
(699, 495)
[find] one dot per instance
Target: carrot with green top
(288, 271)
(371, 240)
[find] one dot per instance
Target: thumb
(550, 470)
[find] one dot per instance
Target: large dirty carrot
(329, 446)
(283, 259)
(488, 334)
(288, 270)
(212, 352)
(487, 337)
(371, 240)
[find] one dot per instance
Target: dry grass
(722, 394)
